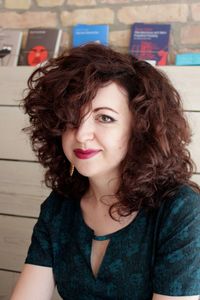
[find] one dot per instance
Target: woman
(123, 218)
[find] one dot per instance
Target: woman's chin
(86, 172)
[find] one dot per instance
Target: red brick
(28, 19)
(153, 13)
(190, 34)
(195, 9)
(88, 16)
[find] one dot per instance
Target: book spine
(18, 46)
(57, 46)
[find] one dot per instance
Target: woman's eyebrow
(105, 107)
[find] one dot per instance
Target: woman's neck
(102, 190)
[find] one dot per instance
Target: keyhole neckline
(102, 237)
(109, 235)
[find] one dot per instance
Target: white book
(10, 44)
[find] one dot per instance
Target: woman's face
(99, 144)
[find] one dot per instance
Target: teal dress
(157, 252)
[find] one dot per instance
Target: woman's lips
(85, 154)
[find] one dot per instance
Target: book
(83, 34)
(188, 59)
(41, 44)
(150, 42)
(10, 43)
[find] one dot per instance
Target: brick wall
(184, 16)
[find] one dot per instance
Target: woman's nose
(86, 130)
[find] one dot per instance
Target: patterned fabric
(155, 253)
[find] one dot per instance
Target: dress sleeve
(40, 249)
(176, 269)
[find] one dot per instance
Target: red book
(150, 42)
(41, 44)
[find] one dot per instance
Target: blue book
(83, 34)
(188, 59)
(150, 42)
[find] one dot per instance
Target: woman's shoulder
(56, 205)
(185, 198)
(187, 192)
(177, 245)
(181, 210)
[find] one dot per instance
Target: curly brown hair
(157, 161)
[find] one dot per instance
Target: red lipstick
(85, 154)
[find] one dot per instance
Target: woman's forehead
(111, 95)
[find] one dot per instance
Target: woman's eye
(105, 119)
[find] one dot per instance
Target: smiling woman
(123, 218)
(103, 135)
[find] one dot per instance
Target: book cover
(10, 43)
(41, 44)
(83, 34)
(150, 42)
